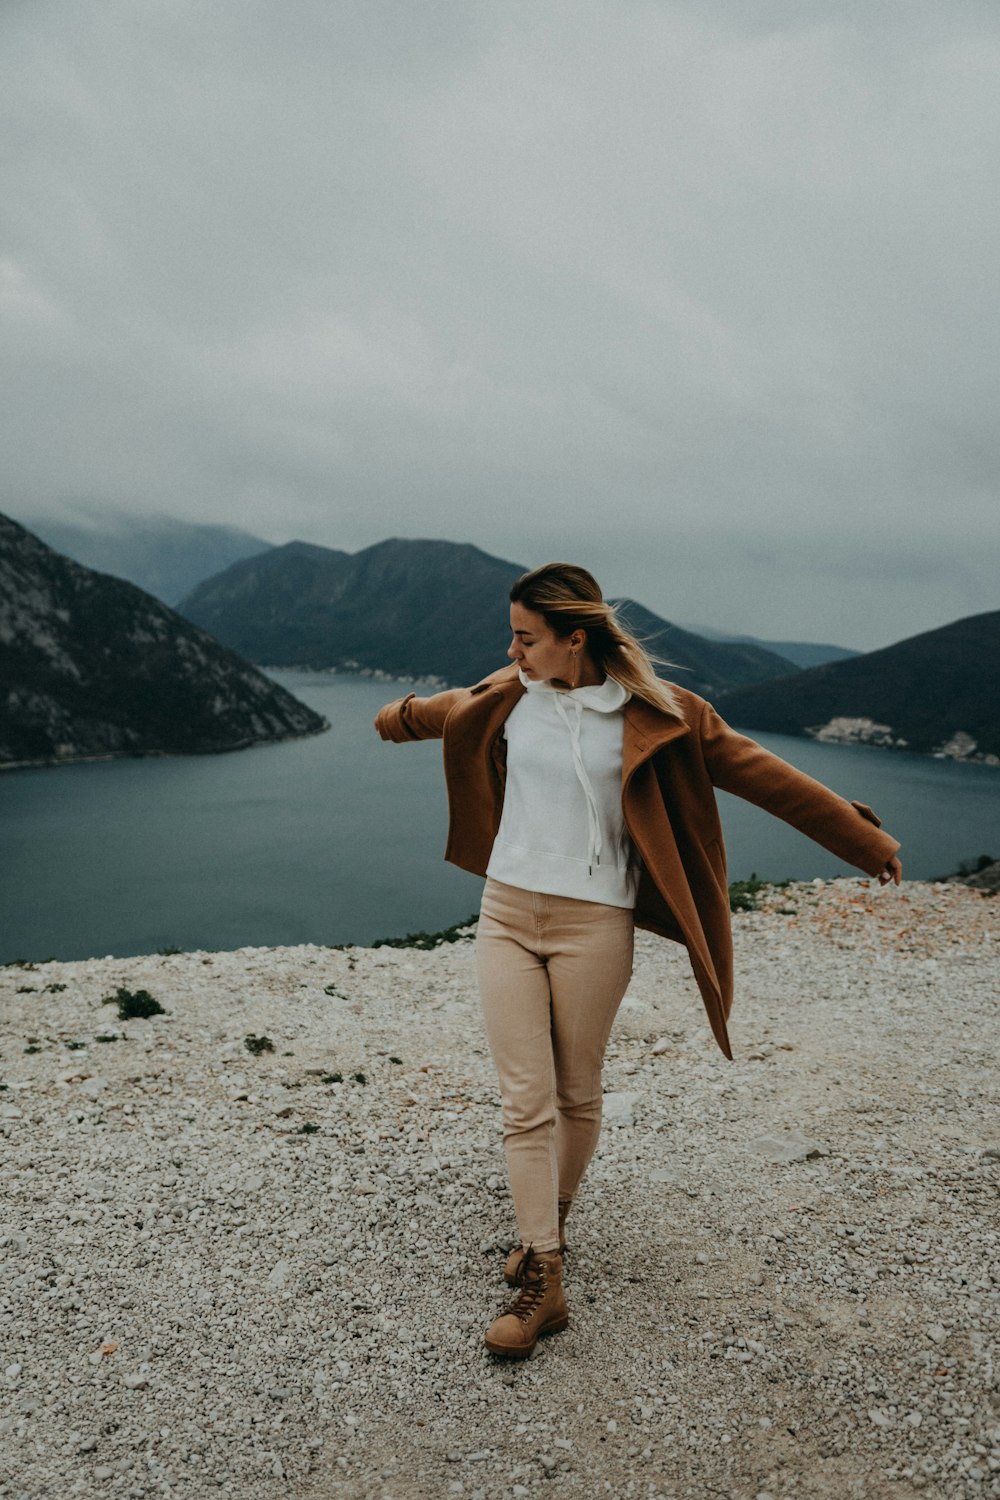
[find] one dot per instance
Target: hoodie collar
(606, 697)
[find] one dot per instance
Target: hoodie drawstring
(594, 844)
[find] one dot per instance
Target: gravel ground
(228, 1271)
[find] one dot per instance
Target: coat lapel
(646, 730)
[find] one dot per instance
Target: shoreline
(985, 879)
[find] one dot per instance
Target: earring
(576, 668)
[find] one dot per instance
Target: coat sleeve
(737, 764)
(413, 718)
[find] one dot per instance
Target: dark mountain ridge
(935, 692)
(92, 666)
(412, 608)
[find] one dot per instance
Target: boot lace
(531, 1279)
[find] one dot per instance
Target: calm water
(338, 838)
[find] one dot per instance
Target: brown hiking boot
(514, 1258)
(539, 1307)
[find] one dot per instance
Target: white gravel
(782, 1276)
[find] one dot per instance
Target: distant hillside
(707, 667)
(799, 653)
(163, 555)
(91, 666)
(935, 692)
(413, 608)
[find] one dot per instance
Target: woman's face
(538, 651)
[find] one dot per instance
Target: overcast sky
(704, 296)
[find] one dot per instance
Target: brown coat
(670, 767)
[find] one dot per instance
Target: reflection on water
(339, 838)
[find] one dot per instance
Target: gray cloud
(703, 297)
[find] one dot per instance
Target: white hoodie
(561, 829)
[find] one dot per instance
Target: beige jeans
(552, 973)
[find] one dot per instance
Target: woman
(582, 787)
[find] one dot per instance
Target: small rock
(280, 1273)
(936, 1333)
(793, 1146)
(621, 1109)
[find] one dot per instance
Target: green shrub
(134, 1004)
(743, 894)
(258, 1044)
(429, 940)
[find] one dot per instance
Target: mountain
(799, 653)
(163, 555)
(92, 666)
(935, 692)
(413, 609)
(406, 608)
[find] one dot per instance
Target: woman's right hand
(893, 872)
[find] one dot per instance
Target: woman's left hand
(893, 872)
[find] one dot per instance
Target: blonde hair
(569, 598)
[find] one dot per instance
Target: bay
(338, 838)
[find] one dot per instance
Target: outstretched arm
(848, 829)
(413, 718)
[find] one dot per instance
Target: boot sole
(522, 1353)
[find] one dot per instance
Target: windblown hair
(570, 599)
